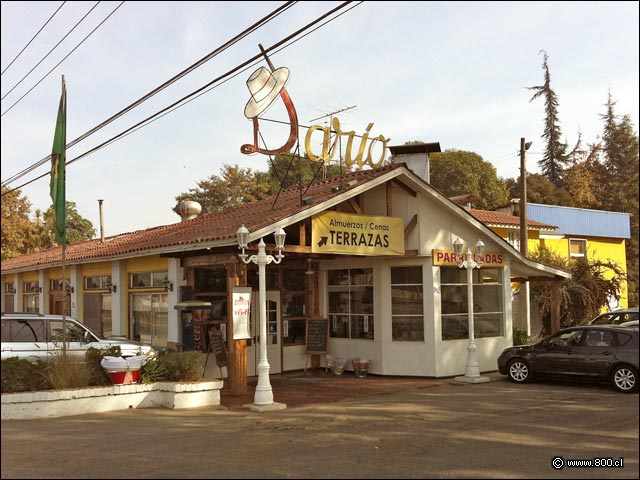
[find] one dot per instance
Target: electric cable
(34, 37)
(49, 53)
(186, 99)
(267, 18)
(67, 56)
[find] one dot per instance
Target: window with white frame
(577, 247)
(487, 303)
(407, 307)
(350, 303)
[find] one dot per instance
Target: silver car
(37, 337)
(616, 317)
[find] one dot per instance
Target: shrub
(520, 337)
(153, 371)
(67, 371)
(97, 375)
(19, 375)
(181, 366)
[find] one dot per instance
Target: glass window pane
(339, 326)
(455, 327)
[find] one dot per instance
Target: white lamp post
(472, 372)
(263, 399)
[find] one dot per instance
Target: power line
(267, 18)
(49, 53)
(37, 33)
(278, 46)
(67, 56)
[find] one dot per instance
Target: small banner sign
(241, 309)
(448, 258)
(348, 234)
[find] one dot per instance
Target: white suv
(37, 337)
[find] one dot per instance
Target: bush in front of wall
(19, 375)
(181, 366)
(66, 371)
(97, 375)
(520, 337)
(154, 370)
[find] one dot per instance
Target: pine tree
(620, 182)
(554, 157)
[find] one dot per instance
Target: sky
(450, 72)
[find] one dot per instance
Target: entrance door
(273, 334)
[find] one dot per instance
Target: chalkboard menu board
(218, 347)
(317, 335)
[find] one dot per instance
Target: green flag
(58, 158)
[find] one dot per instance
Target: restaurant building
(370, 251)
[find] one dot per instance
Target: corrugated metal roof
(581, 221)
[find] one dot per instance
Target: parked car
(588, 352)
(616, 317)
(38, 337)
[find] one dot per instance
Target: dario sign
(348, 234)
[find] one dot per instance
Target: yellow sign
(348, 234)
(448, 258)
(329, 151)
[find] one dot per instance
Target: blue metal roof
(581, 221)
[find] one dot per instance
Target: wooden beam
(207, 260)
(355, 206)
(237, 367)
(411, 253)
(407, 189)
(302, 229)
(555, 301)
(389, 199)
(410, 226)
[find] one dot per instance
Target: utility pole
(524, 237)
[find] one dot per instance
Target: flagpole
(58, 196)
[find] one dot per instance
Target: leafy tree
(457, 172)
(554, 156)
(540, 190)
(583, 295)
(79, 229)
(581, 178)
(234, 187)
(21, 234)
(17, 228)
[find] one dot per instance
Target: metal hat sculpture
(264, 87)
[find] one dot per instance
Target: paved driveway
(447, 430)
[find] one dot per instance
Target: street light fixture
(472, 372)
(263, 399)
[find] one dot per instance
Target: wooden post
(555, 305)
(236, 276)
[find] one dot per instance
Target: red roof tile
(205, 229)
(504, 219)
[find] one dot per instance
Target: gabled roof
(263, 218)
(498, 219)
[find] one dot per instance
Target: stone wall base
(60, 403)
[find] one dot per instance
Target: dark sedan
(600, 353)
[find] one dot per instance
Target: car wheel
(518, 371)
(625, 379)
